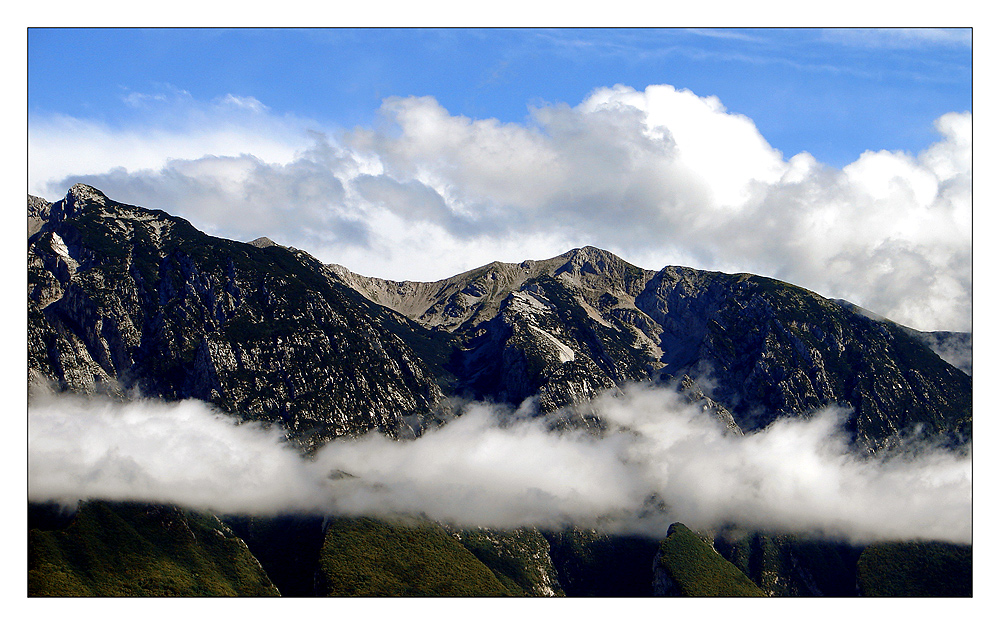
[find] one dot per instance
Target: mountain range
(127, 301)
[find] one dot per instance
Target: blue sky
(839, 160)
(834, 93)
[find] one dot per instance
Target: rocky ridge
(752, 349)
(121, 297)
(124, 299)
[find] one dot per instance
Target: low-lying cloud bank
(683, 180)
(661, 461)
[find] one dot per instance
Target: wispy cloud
(243, 102)
(717, 33)
(660, 461)
(899, 38)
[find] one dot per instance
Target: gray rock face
(563, 329)
(262, 242)
(749, 349)
(38, 214)
(120, 297)
(663, 584)
(771, 349)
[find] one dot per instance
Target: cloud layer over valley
(659, 176)
(661, 460)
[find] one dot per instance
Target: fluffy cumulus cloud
(660, 176)
(660, 461)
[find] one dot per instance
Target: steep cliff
(752, 349)
(122, 298)
(770, 349)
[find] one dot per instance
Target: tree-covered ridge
(520, 559)
(371, 558)
(117, 549)
(120, 549)
(692, 568)
(915, 569)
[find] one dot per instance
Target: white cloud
(724, 151)
(243, 102)
(83, 447)
(138, 100)
(163, 127)
(660, 176)
(900, 38)
(493, 467)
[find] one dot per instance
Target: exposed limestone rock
(262, 242)
(121, 295)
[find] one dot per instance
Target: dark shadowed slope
(120, 297)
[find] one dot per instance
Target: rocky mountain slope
(534, 328)
(128, 300)
(122, 298)
(565, 328)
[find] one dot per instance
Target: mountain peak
(77, 198)
(588, 252)
(592, 263)
(262, 242)
(85, 192)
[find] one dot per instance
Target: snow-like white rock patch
(158, 229)
(564, 352)
(593, 313)
(526, 303)
(59, 247)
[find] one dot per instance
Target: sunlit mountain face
(527, 427)
(499, 312)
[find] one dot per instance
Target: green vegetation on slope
(698, 570)
(518, 558)
(125, 549)
(369, 558)
(916, 569)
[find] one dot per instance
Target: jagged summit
(102, 276)
(83, 199)
(127, 299)
(454, 301)
(133, 301)
(85, 192)
(262, 242)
